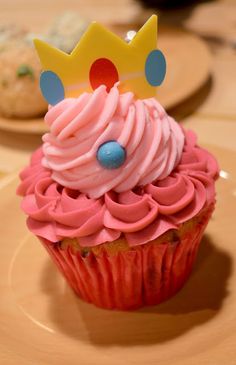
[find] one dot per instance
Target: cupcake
(119, 195)
(19, 81)
(20, 68)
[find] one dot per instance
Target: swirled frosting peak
(153, 142)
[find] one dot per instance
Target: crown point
(146, 37)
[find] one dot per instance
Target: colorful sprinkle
(25, 70)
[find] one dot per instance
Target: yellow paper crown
(103, 57)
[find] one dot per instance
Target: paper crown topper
(99, 58)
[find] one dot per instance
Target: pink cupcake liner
(131, 279)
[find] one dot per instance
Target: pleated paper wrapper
(146, 275)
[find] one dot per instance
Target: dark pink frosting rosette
(140, 215)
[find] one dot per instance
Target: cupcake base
(141, 276)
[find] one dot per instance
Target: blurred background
(198, 39)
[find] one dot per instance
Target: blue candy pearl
(111, 155)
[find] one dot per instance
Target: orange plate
(186, 72)
(43, 322)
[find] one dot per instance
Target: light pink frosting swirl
(153, 141)
(140, 215)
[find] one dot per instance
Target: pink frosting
(153, 141)
(141, 214)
